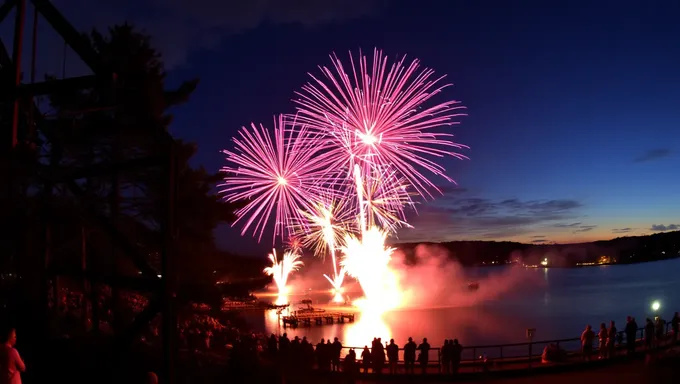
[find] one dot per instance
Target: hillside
(633, 249)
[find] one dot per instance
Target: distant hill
(631, 249)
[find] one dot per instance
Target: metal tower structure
(22, 135)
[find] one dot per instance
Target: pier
(318, 318)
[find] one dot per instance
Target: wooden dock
(318, 318)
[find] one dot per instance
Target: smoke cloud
(438, 281)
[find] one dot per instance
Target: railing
(506, 353)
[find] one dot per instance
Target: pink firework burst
(276, 173)
(377, 114)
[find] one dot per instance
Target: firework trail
(281, 270)
(323, 229)
(324, 225)
(385, 196)
(374, 114)
(276, 174)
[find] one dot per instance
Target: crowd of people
(200, 333)
(299, 354)
(609, 338)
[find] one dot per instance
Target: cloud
(567, 225)
(540, 241)
(585, 228)
(179, 28)
(663, 228)
(622, 230)
(462, 216)
(653, 154)
(537, 236)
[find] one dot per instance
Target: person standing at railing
(649, 333)
(611, 339)
(587, 338)
(378, 355)
(675, 324)
(631, 335)
(366, 358)
(410, 355)
(393, 356)
(424, 356)
(337, 348)
(456, 355)
(445, 356)
(660, 330)
(349, 364)
(602, 335)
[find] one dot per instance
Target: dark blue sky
(574, 106)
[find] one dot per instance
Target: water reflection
(362, 331)
(570, 299)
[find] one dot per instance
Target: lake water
(558, 307)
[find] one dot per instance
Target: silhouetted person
(611, 338)
(306, 354)
(631, 335)
(378, 356)
(456, 353)
(649, 333)
(321, 355)
(349, 364)
(660, 330)
(675, 324)
(11, 364)
(284, 350)
(446, 357)
(295, 352)
(410, 355)
(337, 349)
(393, 356)
(587, 338)
(366, 358)
(602, 336)
(272, 347)
(424, 356)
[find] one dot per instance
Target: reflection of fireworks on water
(281, 270)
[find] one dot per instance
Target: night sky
(574, 106)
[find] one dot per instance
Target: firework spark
(324, 225)
(275, 173)
(375, 115)
(367, 260)
(281, 270)
(385, 196)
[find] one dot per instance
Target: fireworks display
(376, 116)
(281, 269)
(340, 175)
(275, 173)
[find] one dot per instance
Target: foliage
(130, 120)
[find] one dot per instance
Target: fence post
(530, 353)
(474, 354)
(501, 347)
